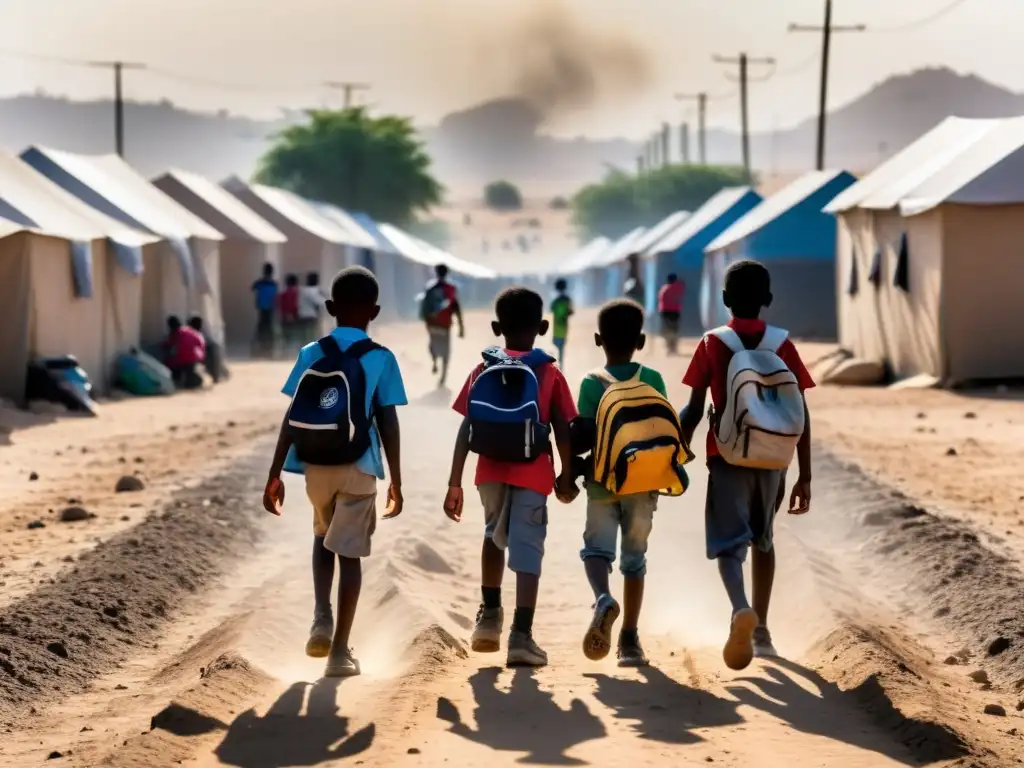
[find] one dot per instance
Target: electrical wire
(924, 21)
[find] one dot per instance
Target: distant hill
(504, 138)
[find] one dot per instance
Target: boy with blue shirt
(344, 497)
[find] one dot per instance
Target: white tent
(181, 271)
(87, 303)
(648, 245)
(250, 241)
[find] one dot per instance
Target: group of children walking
(620, 436)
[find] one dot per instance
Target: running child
(638, 398)
(670, 309)
(338, 449)
(439, 305)
(516, 391)
(748, 454)
(561, 311)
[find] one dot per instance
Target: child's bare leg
(763, 572)
(340, 663)
(633, 600)
(597, 575)
(323, 577)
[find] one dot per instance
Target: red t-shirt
(710, 364)
(670, 297)
(443, 319)
(186, 346)
(289, 304)
(537, 475)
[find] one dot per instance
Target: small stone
(1020, 706)
(57, 648)
(999, 645)
(33, 476)
(129, 484)
(85, 729)
(36, 525)
(74, 514)
(139, 460)
(979, 676)
(951, 452)
(231, 424)
(951, 661)
(996, 710)
(412, 751)
(120, 687)
(55, 755)
(922, 415)
(125, 518)
(970, 415)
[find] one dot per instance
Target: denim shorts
(740, 508)
(634, 515)
(516, 519)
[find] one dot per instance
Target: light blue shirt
(383, 378)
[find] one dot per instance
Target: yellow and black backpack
(638, 446)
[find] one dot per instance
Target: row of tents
(915, 266)
(94, 258)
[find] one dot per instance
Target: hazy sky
(428, 57)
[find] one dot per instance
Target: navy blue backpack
(327, 420)
(504, 407)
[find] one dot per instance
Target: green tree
(376, 165)
(503, 196)
(622, 202)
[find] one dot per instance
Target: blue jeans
(634, 515)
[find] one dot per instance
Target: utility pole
(118, 67)
(640, 165)
(826, 48)
(347, 88)
(684, 143)
(666, 138)
(744, 61)
(702, 122)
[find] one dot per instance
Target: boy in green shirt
(620, 334)
(561, 311)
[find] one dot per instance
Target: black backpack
(327, 419)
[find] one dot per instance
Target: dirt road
(182, 628)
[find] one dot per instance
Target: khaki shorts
(344, 508)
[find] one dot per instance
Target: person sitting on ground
(742, 499)
(670, 308)
(514, 481)
(184, 351)
(358, 382)
(214, 358)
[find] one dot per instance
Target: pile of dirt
(55, 641)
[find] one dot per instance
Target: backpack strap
(535, 358)
(729, 337)
(329, 346)
(359, 348)
(773, 338)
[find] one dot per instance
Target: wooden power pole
(118, 67)
(702, 122)
(348, 89)
(743, 61)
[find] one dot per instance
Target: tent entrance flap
(128, 257)
(81, 269)
(184, 254)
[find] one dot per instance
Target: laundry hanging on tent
(853, 288)
(901, 278)
(184, 254)
(128, 257)
(81, 268)
(875, 275)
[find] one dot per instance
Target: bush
(558, 204)
(503, 196)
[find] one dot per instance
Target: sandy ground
(168, 629)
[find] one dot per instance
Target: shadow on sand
(834, 714)
(287, 737)
(523, 719)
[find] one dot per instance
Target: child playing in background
(288, 309)
(670, 308)
(561, 311)
(743, 497)
(341, 466)
(514, 480)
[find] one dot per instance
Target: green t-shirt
(561, 311)
(591, 392)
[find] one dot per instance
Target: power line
(744, 61)
(922, 22)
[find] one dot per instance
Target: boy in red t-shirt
(742, 502)
(514, 495)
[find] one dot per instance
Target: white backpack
(763, 417)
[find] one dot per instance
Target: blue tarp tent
(681, 250)
(791, 234)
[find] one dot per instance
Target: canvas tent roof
(360, 237)
(8, 227)
(885, 186)
(297, 210)
(373, 230)
(773, 207)
(33, 200)
(619, 250)
(250, 223)
(586, 255)
(118, 190)
(718, 205)
(422, 252)
(646, 245)
(988, 172)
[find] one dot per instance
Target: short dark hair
(747, 286)
(313, 278)
(268, 269)
(519, 309)
(672, 277)
(173, 322)
(561, 284)
(291, 280)
(441, 270)
(355, 286)
(195, 322)
(620, 323)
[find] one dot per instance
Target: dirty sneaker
(342, 664)
(320, 634)
(631, 653)
(739, 648)
(763, 648)
(597, 643)
(523, 651)
(487, 634)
